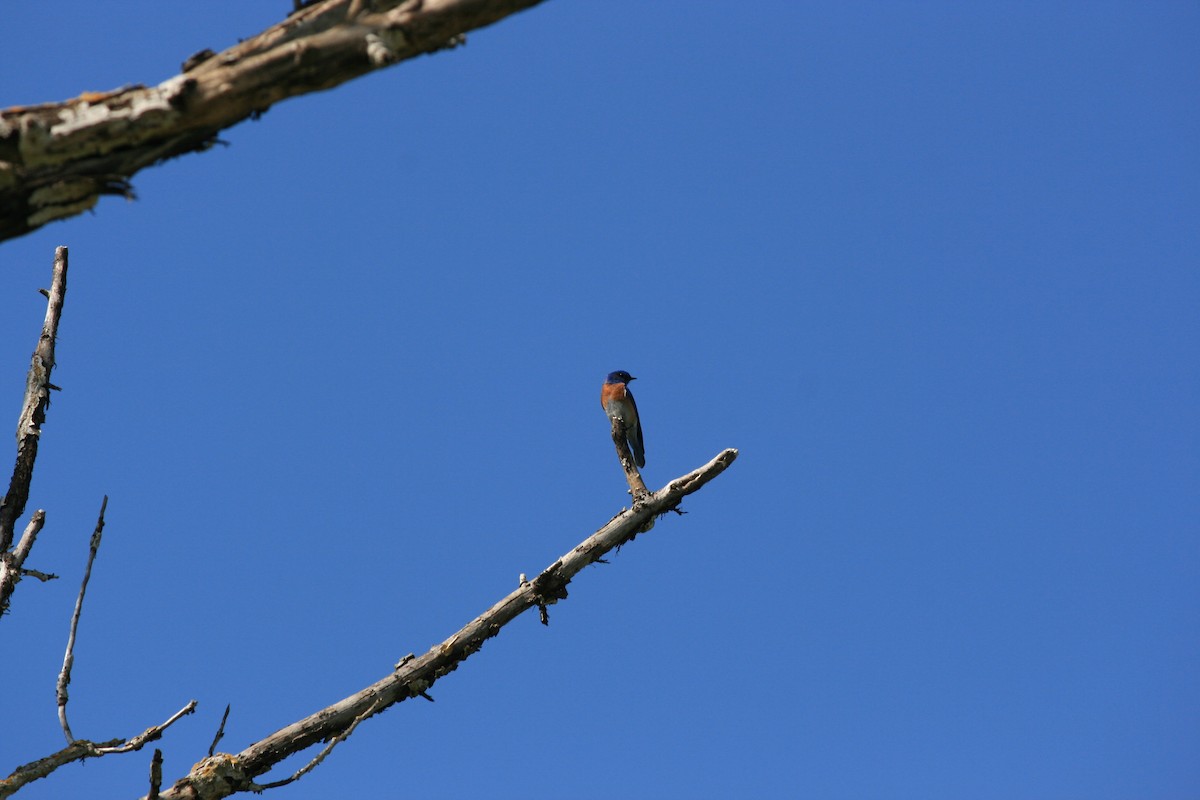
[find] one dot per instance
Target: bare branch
(12, 565)
(27, 773)
(220, 731)
(224, 774)
(81, 749)
(59, 158)
(37, 400)
(41, 576)
(64, 676)
(25, 544)
(33, 415)
(29, 429)
(151, 734)
(637, 488)
(155, 774)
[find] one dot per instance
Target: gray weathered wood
(58, 159)
(29, 432)
(224, 774)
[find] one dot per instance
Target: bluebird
(618, 403)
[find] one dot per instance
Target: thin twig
(151, 734)
(64, 676)
(41, 576)
(220, 731)
(311, 765)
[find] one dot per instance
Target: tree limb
(81, 749)
(29, 430)
(57, 159)
(224, 774)
(637, 488)
(12, 565)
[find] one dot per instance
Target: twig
(41, 576)
(12, 565)
(220, 731)
(25, 543)
(224, 774)
(151, 734)
(155, 774)
(311, 765)
(64, 676)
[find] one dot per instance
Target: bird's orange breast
(610, 392)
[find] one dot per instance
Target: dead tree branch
(155, 774)
(33, 414)
(220, 734)
(224, 774)
(29, 431)
(12, 565)
(57, 159)
(81, 749)
(637, 487)
(64, 675)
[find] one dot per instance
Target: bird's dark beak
(632, 378)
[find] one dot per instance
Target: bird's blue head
(620, 376)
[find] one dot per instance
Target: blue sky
(931, 267)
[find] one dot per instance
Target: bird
(617, 401)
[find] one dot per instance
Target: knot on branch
(548, 588)
(219, 775)
(385, 46)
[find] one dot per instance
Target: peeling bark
(58, 159)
